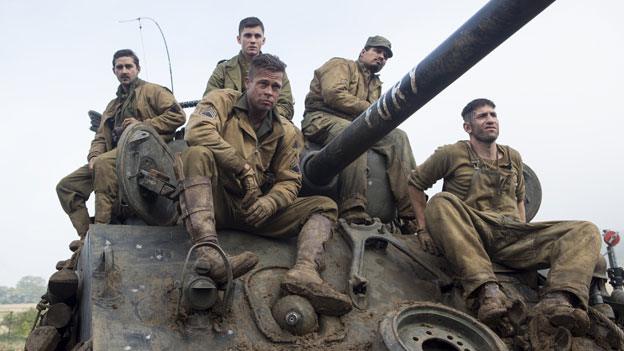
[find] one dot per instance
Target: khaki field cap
(380, 41)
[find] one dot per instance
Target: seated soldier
(479, 218)
(242, 172)
(137, 101)
(339, 92)
(231, 73)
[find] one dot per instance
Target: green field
(15, 323)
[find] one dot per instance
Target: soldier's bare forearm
(521, 211)
(419, 201)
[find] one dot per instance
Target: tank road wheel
(425, 326)
(147, 181)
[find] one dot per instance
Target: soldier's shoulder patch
(210, 112)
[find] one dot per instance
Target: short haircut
(250, 22)
(467, 112)
(126, 53)
(268, 62)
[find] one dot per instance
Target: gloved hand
(427, 243)
(260, 211)
(252, 190)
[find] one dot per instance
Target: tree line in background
(27, 290)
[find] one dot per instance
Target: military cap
(380, 41)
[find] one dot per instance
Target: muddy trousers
(286, 222)
(75, 189)
(321, 128)
(473, 239)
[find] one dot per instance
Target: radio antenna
(163, 37)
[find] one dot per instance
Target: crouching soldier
(241, 172)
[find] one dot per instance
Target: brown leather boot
(493, 304)
(303, 279)
(558, 309)
(197, 211)
(209, 262)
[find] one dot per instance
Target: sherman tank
(131, 286)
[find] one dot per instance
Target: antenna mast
(164, 40)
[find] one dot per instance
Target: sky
(557, 84)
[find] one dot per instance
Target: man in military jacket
(137, 101)
(479, 218)
(339, 92)
(231, 73)
(242, 172)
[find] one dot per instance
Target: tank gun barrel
(480, 35)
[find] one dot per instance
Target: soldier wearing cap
(339, 92)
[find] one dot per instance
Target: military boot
(197, 209)
(557, 308)
(304, 279)
(493, 304)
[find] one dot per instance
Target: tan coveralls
(223, 140)
(475, 221)
(231, 74)
(146, 102)
(339, 92)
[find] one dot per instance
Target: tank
(132, 287)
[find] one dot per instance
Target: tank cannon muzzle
(480, 35)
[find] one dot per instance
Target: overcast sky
(557, 84)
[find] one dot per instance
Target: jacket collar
(122, 94)
(276, 130)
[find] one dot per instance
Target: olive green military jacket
(342, 87)
(220, 123)
(154, 105)
(229, 75)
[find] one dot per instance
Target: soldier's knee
(61, 186)
(325, 207)
(442, 199)
(399, 134)
(440, 204)
(103, 164)
(591, 230)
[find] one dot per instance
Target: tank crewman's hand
(427, 243)
(128, 121)
(260, 211)
(252, 190)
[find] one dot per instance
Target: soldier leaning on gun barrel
(231, 74)
(137, 101)
(339, 92)
(479, 218)
(236, 139)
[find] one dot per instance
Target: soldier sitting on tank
(339, 92)
(479, 218)
(137, 101)
(231, 73)
(235, 140)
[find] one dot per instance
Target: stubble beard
(486, 138)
